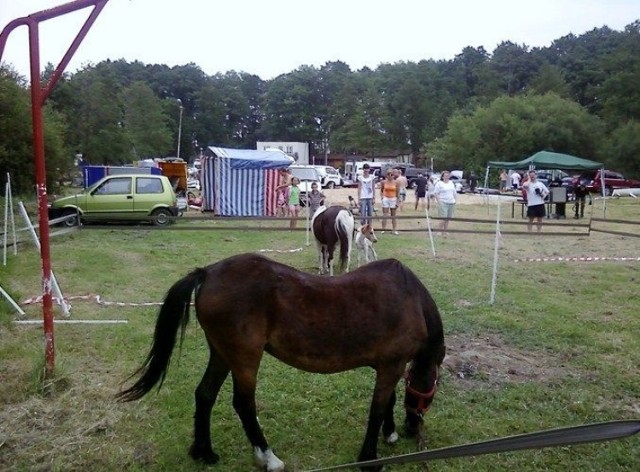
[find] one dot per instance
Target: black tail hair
(173, 315)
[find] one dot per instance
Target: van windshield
(305, 174)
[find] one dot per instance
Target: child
(315, 198)
(294, 202)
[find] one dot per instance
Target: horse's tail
(344, 229)
(173, 315)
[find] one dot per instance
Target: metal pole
(179, 127)
(38, 97)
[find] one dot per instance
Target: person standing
(504, 177)
(536, 193)
(580, 196)
(431, 188)
(402, 186)
(315, 198)
(294, 202)
(445, 194)
(389, 190)
(515, 180)
(366, 194)
(421, 189)
(282, 193)
(473, 182)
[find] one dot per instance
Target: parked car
(612, 180)
(120, 197)
(329, 176)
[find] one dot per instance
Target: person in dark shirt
(421, 190)
(473, 182)
(580, 193)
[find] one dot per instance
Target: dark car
(592, 180)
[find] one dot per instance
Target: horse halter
(424, 399)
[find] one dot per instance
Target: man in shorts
(536, 193)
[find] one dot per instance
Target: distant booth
(549, 160)
(241, 182)
(546, 160)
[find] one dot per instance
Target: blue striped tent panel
(238, 192)
(208, 187)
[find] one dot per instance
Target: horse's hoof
(205, 455)
(392, 438)
(267, 460)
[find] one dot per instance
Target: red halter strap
(424, 399)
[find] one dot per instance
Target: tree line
(577, 96)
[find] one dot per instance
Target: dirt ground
(489, 361)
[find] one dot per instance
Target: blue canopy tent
(241, 182)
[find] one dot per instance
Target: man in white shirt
(536, 193)
(366, 194)
(515, 180)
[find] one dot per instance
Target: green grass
(559, 347)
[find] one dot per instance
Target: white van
(329, 176)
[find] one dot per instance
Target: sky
(269, 38)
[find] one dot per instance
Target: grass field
(559, 347)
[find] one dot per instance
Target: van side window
(148, 185)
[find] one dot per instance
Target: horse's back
(315, 323)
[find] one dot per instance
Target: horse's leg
(330, 259)
(320, 257)
(386, 381)
(389, 424)
(244, 402)
(206, 394)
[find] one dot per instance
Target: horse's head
(421, 383)
(368, 232)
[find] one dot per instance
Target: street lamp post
(179, 127)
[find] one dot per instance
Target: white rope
(95, 298)
(281, 250)
(578, 259)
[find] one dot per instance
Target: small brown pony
(379, 316)
(332, 226)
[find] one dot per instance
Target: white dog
(364, 239)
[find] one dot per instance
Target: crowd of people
(391, 192)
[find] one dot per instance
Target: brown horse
(379, 315)
(332, 226)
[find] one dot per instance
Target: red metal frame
(38, 97)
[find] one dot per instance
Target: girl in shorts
(389, 191)
(294, 202)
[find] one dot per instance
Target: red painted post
(38, 97)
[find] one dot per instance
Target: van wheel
(161, 217)
(71, 218)
(331, 185)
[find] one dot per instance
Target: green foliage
(115, 112)
(514, 128)
(145, 122)
(16, 145)
(621, 150)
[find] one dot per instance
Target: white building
(299, 151)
